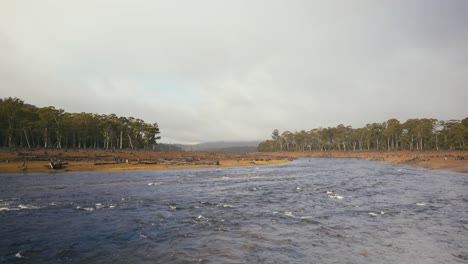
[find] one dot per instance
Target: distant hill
(168, 147)
(223, 146)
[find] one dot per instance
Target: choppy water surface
(306, 211)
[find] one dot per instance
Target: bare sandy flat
(108, 160)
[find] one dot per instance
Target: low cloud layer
(236, 70)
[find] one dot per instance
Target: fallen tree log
(56, 165)
(148, 162)
(105, 162)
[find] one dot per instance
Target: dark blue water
(306, 211)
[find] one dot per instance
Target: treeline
(27, 126)
(414, 134)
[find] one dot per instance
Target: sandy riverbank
(107, 160)
(456, 161)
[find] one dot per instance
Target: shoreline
(39, 167)
(37, 161)
(453, 161)
(34, 161)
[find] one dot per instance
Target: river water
(306, 211)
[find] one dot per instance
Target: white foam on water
(420, 204)
(333, 195)
(106, 206)
(305, 217)
(18, 255)
(288, 214)
(89, 209)
(376, 214)
(22, 206)
(225, 205)
(8, 209)
(154, 183)
(201, 219)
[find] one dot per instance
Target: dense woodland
(414, 134)
(26, 126)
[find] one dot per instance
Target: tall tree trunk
(130, 141)
(45, 137)
(26, 137)
(59, 141)
(121, 138)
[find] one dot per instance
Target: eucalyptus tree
(275, 135)
(10, 109)
(122, 124)
(424, 128)
(150, 135)
(359, 135)
(302, 140)
(50, 123)
(25, 125)
(267, 146)
(391, 131)
(26, 120)
(108, 125)
(288, 138)
(456, 132)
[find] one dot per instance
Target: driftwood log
(56, 165)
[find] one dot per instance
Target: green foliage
(23, 125)
(414, 134)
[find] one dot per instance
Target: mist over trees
(26, 126)
(414, 134)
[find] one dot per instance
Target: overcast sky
(236, 70)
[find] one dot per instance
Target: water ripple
(306, 211)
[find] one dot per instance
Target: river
(306, 211)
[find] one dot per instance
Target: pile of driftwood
(178, 161)
(56, 165)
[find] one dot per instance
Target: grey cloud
(214, 70)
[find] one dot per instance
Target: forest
(413, 134)
(26, 126)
